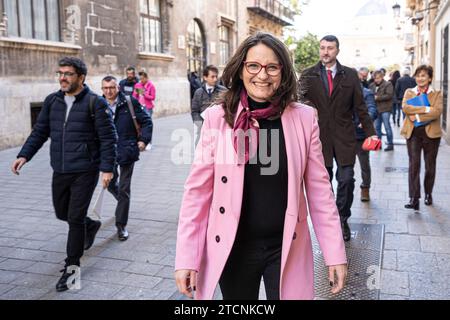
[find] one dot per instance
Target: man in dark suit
(335, 91)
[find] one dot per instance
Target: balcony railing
(273, 10)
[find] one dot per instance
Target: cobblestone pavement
(416, 255)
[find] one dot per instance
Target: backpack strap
(133, 115)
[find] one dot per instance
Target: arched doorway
(196, 48)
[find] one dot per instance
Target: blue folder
(419, 101)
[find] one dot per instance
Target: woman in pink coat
(258, 168)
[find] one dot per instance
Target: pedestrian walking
(363, 155)
(396, 103)
(127, 84)
(384, 93)
(145, 93)
(335, 91)
(83, 142)
(134, 129)
(422, 129)
(242, 218)
(205, 96)
(403, 83)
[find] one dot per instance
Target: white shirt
(113, 106)
(69, 102)
(333, 70)
(208, 88)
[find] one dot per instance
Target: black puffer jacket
(86, 142)
(127, 146)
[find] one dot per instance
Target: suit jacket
(433, 130)
(212, 201)
(337, 132)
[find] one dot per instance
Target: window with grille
(150, 26)
(224, 36)
(33, 19)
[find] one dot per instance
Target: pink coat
(149, 95)
(201, 224)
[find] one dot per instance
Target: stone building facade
(166, 38)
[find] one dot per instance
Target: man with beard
(83, 143)
(335, 91)
(127, 85)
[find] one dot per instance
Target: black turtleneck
(265, 196)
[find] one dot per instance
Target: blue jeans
(384, 116)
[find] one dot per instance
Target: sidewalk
(416, 256)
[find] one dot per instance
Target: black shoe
(122, 233)
(91, 231)
(346, 233)
(390, 147)
(428, 199)
(62, 282)
(413, 204)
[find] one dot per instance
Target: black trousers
(246, 265)
(346, 186)
(364, 163)
(418, 141)
(120, 188)
(72, 194)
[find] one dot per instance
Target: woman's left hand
(337, 276)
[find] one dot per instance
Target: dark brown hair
(426, 68)
(286, 92)
(210, 68)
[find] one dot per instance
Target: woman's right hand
(186, 281)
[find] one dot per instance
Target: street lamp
(396, 9)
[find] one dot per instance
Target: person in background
(384, 92)
(83, 144)
(335, 91)
(131, 141)
(145, 93)
(403, 83)
(242, 218)
(363, 74)
(205, 95)
(396, 103)
(426, 137)
(363, 155)
(127, 84)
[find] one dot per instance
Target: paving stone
(394, 282)
(402, 242)
(435, 244)
(143, 268)
(389, 260)
(22, 293)
(429, 286)
(16, 265)
(411, 261)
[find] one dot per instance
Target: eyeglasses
(272, 69)
(108, 88)
(60, 74)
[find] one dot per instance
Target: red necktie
(330, 81)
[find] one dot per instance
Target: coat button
(224, 179)
(217, 239)
(295, 236)
(222, 210)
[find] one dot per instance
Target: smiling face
(423, 79)
(261, 86)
